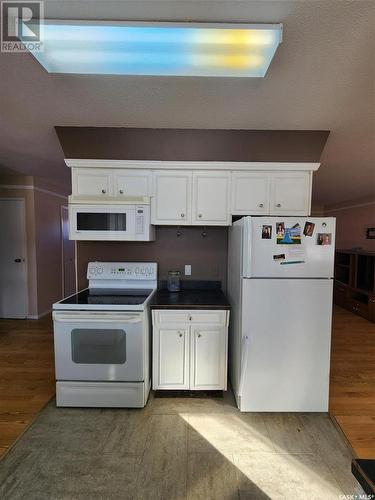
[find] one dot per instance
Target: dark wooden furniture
(354, 287)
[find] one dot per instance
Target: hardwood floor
(352, 388)
(27, 378)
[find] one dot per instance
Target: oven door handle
(96, 318)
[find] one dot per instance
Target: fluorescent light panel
(179, 49)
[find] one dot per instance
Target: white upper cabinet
(132, 182)
(92, 182)
(200, 193)
(290, 193)
(171, 201)
(250, 193)
(211, 198)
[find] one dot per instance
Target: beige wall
(43, 236)
(48, 248)
(352, 220)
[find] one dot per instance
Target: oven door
(102, 222)
(99, 346)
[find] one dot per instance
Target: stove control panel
(122, 270)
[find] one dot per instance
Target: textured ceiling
(322, 78)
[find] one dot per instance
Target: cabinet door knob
(182, 215)
(121, 191)
(200, 216)
(190, 318)
(179, 334)
(278, 205)
(260, 205)
(104, 191)
(199, 335)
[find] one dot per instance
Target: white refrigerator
(280, 283)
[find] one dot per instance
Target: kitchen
(197, 333)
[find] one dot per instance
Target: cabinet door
(92, 181)
(208, 358)
(250, 193)
(211, 195)
(171, 355)
(290, 193)
(171, 203)
(132, 182)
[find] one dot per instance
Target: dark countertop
(189, 299)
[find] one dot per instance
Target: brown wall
(351, 224)
(192, 144)
(207, 256)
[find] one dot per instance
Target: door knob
(199, 335)
(103, 191)
(179, 334)
(182, 215)
(278, 205)
(17, 260)
(121, 191)
(200, 216)
(260, 205)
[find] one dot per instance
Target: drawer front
(191, 316)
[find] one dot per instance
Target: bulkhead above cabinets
(199, 193)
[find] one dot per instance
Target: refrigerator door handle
(244, 361)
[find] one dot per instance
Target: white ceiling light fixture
(164, 49)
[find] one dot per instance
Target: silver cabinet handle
(260, 205)
(200, 216)
(199, 335)
(104, 191)
(121, 191)
(278, 205)
(182, 215)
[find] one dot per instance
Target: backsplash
(207, 255)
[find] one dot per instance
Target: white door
(290, 193)
(13, 271)
(211, 194)
(250, 193)
(171, 203)
(207, 368)
(132, 182)
(92, 182)
(173, 358)
(68, 256)
(304, 257)
(286, 327)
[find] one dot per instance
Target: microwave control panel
(139, 220)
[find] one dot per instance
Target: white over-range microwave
(112, 219)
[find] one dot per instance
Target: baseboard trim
(39, 316)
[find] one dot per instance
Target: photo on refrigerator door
(324, 239)
(308, 230)
(291, 236)
(266, 232)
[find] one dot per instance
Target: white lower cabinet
(173, 348)
(191, 354)
(207, 357)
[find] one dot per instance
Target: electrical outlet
(187, 270)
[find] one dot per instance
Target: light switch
(187, 270)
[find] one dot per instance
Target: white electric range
(102, 337)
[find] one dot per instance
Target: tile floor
(177, 449)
